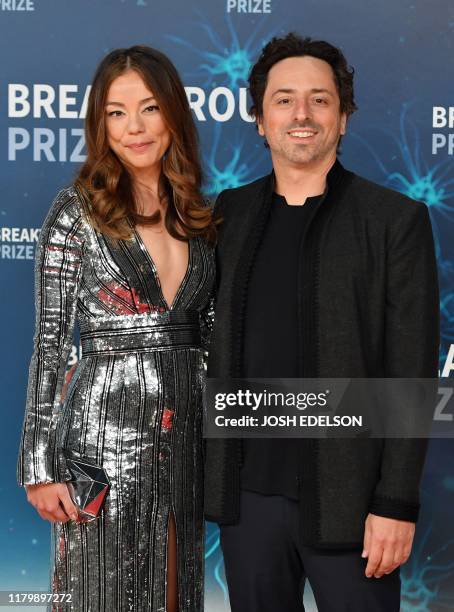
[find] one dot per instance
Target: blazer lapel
(253, 229)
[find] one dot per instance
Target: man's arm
(411, 351)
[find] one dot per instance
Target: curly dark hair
(293, 45)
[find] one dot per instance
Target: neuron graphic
(432, 185)
(228, 62)
(242, 166)
(213, 557)
(423, 575)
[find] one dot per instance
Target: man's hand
(387, 544)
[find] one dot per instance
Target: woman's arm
(58, 269)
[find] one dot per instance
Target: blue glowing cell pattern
(214, 561)
(424, 576)
(231, 163)
(224, 61)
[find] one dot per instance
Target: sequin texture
(133, 405)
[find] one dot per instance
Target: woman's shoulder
(68, 211)
(67, 199)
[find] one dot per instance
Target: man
(321, 273)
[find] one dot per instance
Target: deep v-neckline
(179, 291)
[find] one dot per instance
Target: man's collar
(335, 173)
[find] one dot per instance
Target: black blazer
(368, 307)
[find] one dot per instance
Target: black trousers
(266, 567)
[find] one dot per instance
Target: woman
(127, 252)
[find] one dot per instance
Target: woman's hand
(52, 501)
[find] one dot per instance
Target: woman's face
(135, 128)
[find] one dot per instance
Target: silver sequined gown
(133, 405)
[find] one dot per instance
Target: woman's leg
(172, 575)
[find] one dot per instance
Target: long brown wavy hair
(106, 182)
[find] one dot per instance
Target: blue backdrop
(402, 137)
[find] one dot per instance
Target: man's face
(301, 120)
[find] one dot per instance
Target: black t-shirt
(270, 466)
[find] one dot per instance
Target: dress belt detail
(141, 333)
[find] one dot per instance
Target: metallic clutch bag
(88, 485)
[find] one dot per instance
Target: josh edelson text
(274, 404)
